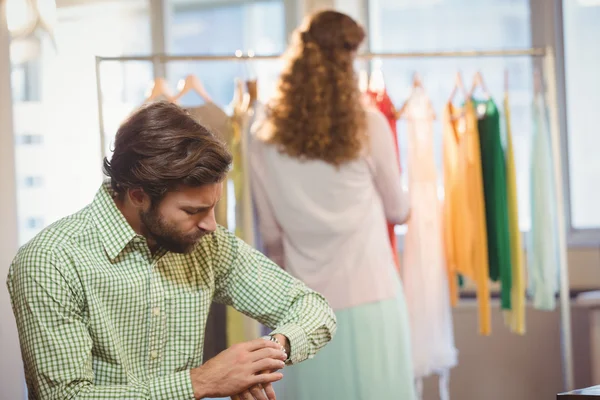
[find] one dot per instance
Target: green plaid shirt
(100, 317)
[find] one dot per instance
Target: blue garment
(369, 358)
(543, 255)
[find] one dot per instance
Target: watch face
(274, 339)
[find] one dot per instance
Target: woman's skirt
(368, 359)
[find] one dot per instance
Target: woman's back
(325, 178)
(331, 220)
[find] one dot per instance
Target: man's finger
(247, 396)
(269, 391)
(258, 392)
(235, 397)
(275, 354)
(258, 344)
(267, 378)
(266, 364)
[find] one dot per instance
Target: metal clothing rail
(532, 52)
(159, 58)
(548, 58)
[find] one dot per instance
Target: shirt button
(156, 311)
(154, 354)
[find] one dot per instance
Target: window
(55, 109)
(33, 181)
(29, 139)
(459, 25)
(35, 222)
(19, 83)
(581, 30)
(222, 29)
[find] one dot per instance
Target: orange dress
(465, 236)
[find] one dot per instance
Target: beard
(166, 235)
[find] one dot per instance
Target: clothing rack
(160, 58)
(536, 52)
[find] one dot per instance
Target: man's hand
(257, 392)
(263, 391)
(238, 368)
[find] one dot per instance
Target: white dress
(423, 271)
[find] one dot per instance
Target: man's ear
(139, 198)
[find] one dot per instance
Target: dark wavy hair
(161, 147)
(317, 111)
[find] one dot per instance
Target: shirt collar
(115, 231)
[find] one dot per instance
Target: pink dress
(424, 273)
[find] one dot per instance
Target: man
(111, 302)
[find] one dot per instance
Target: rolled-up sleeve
(387, 177)
(252, 284)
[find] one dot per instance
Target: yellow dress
(465, 236)
(515, 318)
(241, 328)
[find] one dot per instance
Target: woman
(325, 180)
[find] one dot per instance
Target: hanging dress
(424, 273)
(241, 328)
(214, 118)
(514, 318)
(254, 113)
(384, 103)
(465, 237)
(543, 254)
(496, 205)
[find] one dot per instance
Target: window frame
(547, 31)
(161, 12)
(576, 237)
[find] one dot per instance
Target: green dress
(493, 166)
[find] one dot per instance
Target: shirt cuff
(172, 386)
(298, 342)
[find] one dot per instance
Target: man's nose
(209, 222)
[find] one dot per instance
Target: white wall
(584, 274)
(12, 383)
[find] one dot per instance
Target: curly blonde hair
(317, 113)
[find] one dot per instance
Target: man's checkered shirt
(100, 317)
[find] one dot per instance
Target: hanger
(252, 89)
(363, 80)
(251, 81)
(250, 65)
(458, 85)
(478, 82)
(417, 85)
(192, 82)
(240, 102)
(159, 88)
(377, 82)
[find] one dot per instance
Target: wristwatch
(272, 338)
